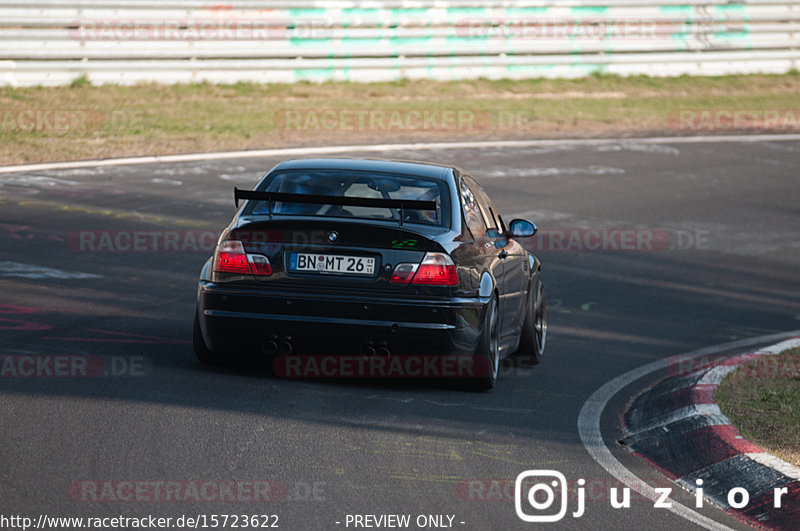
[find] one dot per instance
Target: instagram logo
(539, 485)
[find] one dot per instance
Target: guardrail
(52, 42)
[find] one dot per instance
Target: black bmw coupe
(404, 263)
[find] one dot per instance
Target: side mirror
(521, 228)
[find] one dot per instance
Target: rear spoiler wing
(316, 199)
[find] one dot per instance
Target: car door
(515, 264)
(487, 256)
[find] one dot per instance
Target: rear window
(354, 184)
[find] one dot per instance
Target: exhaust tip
(270, 347)
(284, 348)
(367, 350)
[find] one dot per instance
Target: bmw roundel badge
(333, 236)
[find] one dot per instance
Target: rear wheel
(534, 331)
(487, 356)
(204, 355)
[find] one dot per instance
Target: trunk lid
(334, 254)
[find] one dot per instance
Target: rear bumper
(234, 319)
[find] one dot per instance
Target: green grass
(762, 399)
(152, 119)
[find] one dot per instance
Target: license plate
(332, 263)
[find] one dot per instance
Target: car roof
(405, 167)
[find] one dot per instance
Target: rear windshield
(354, 184)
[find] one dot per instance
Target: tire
(487, 355)
(534, 331)
(204, 355)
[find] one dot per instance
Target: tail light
(231, 258)
(259, 264)
(403, 273)
(436, 269)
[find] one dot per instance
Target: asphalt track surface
(728, 271)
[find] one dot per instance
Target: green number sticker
(403, 244)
